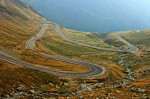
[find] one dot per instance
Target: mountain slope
(101, 16)
(18, 22)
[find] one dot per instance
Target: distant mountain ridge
(96, 15)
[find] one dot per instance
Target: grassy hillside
(94, 39)
(18, 23)
(21, 79)
(139, 61)
(52, 43)
(126, 92)
(138, 38)
(16, 76)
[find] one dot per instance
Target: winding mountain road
(131, 47)
(30, 43)
(95, 70)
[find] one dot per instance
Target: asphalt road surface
(95, 70)
(30, 43)
(131, 47)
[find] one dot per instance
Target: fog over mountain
(96, 15)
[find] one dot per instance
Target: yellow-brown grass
(17, 24)
(11, 76)
(52, 43)
(33, 57)
(139, 61)
(94, 39)
(119, 93)
(15, 35)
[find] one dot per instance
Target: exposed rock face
(137, 90)
(21, 88)
(32, 91)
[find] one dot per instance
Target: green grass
(61, 48)
(111, 40)
(139, 61)
(138, 38)
(64, 48)
(94, 39)
(52, 43)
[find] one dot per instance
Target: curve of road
(131, 47)
(95, 70)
